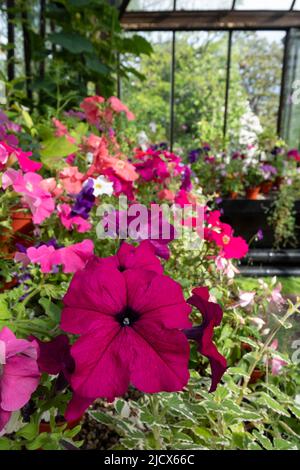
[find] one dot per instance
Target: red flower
(212, 316)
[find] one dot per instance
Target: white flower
(103, 186)
(89, 158)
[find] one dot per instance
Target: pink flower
(203, 334)
(245, 299)
(226, 266)
(129, 325)
(42, 256)
(166, 195)
(61, 130)
(72, 258)
(294, 155)
(50, 185)
(19, 373)
(92, 109)
(131, 257)
(276, 362)
(120, 107)
(29, 185)
(25, 163)
(72, 222)
(231, 247)
(71, 179)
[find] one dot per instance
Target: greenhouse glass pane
(150, 5)
(255, 85)
(204, 4)
(291, 114)
(297, 5)
(3, 42)
(263, 4)
(200, 84)
(149, 99)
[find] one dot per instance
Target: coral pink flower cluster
(19, 373)
(99, 111)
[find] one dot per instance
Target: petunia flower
(212, 316)
(231, 246)
(71, 179)
(6, 151)
(19, 373)
(72, 257)
(132, 257)
(91, 108)
(29, 185)
(85, 200)
(119, 107)
(129, 325)
(103, 186)
(72, 221)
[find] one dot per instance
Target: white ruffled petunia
(103, 186)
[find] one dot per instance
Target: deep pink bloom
(55, 356)
(212, 316)
(129, 325)
(231, 247)
(294, 154)
(19, 373)
(23, 158)
(72, 222)
(132, 257)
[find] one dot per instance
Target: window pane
(200, 82)
(297, 5)
(255, 83)
(149, 99)
(150, 5)
(291, 116)
(204, 4)
(263, 4)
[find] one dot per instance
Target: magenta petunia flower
(19, 373)
(131, 257)
(129, 325)
(212, 316)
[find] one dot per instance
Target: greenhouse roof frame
(230, 20)
(210, 20)
(213, 19)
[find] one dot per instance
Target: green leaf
(263, 440)
(73, 42)
(54, 149)
(94, 64)
(52, 310)
(4, 312)
(272, 404)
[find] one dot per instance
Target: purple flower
(260, 235)
(84, 201)
(194, 155)
(277, 151)
(186, 183)
(76, 114)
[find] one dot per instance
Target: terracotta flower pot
(233, 195)
(266, 187)
(256, 375)
(278, 182)
(252, 193)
